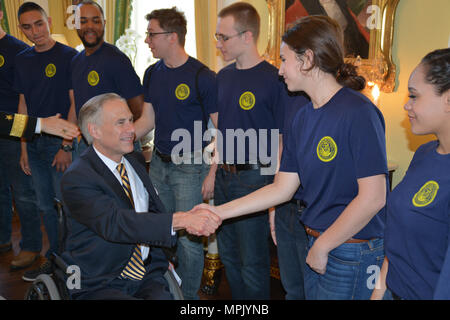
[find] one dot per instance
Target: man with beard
(102, 67)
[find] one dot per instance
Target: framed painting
(368, 27)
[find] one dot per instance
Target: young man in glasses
(180, 94)
(101, 67)
(249, 94)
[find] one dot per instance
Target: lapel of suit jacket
(99, 166)
(155, 204)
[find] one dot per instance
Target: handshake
(202, 220)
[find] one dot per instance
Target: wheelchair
(53, 287)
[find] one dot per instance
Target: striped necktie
(134, 269)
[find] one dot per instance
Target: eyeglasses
(223, 38)
(152, 34)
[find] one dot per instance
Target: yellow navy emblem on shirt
(93, 78)
(9, 117)
(247, 100)
(426, 194)
(327, 149)
(2, 61)
(50, 70)
(182, 92)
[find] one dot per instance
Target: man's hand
(200, 222)
(24, 164)
(59, 127)
(62, 160)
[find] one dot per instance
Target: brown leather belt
(316, 234)
(233, 168)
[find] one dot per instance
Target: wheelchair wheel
(174, 288)
(43, 288)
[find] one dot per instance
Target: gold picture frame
(378, 68)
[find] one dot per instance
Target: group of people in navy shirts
(332, 214)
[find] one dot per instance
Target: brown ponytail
(348, 77)
(323, 36)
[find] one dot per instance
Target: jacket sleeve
(17, 125)
(91, 202)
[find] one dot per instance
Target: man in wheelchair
(117, 226)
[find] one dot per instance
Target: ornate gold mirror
(369, 30)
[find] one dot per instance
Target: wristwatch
(67, 148)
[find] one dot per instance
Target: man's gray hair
(91, 112)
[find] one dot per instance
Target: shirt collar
(111, 164)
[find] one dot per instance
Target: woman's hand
(317, 258)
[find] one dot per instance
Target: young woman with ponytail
(336, 154)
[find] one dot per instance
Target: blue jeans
(180, 189)
(350, 273)
(291, 249)
(46, 180)
(243, 242)
(14, 183)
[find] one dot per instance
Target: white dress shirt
(37, 129)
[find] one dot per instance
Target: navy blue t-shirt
(330, 148)
(250, 103)
(9, 48)
(44, 79)
(173, 94)
(418, 225)
(442, 291)
(107, 70)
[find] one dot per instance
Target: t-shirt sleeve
(292, 103)
(279, 106)
(126, 79)
(70, 69)
(442, 291)
(207, 83)
(368, 142)
(146, 83)
(288, 159)
(17, 84)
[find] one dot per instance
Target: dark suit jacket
(103, 226)
(23, 128)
